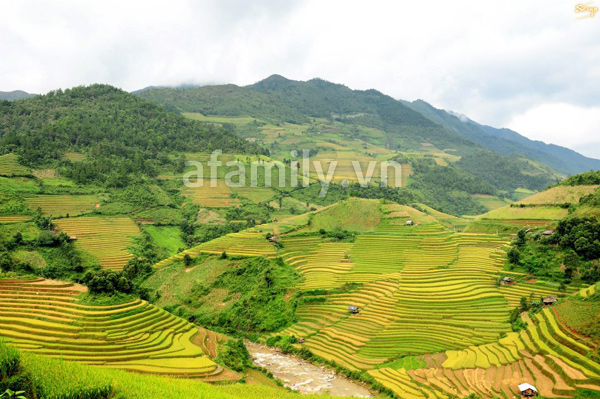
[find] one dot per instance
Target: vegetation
(255, 298)
(52, 378)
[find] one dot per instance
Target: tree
(524, 304)
(6, 262)
(521, 236)
(514, 256)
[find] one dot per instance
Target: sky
(530, 66)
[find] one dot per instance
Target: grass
(9, 166)
(18, 185)
(175, 282)
(168, 237)
(58, 379)
(491, 202)
(353, 214)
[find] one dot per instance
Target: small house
(547, 232)
(72, 238)
(275, 220)
(409, 222)
(301, 340)
(273, 239)
(507, 281)
(549, 300)
(528, 390)
(353, 309)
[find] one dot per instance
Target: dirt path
(303, 376)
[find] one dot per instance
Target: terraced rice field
(44, 317)
(245, 243)
(535, 292)
(212, 197)
(13, 219)
(255, 194)
(9, 166)
(546, 355)
(61, 205)
(529, 213)
(421, 289)
(425, 294)
(560, 195)
(107, 239)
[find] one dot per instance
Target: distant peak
(272, 82)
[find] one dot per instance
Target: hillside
(341, 125)
(104, 124)
(431, 310)
(39, 376)
(506, 141)
(15, 95)
(542, 210)
(277, 99)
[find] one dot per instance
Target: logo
(586, 8)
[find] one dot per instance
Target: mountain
(447, 157)
(119, 133)
(279, 99)
(507, 141)
(15, 95)
(408, 124)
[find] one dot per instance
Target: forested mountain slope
(507, 141)
(117, 132)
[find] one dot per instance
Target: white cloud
(491, 61)
(562, 124)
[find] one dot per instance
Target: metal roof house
(528, 390)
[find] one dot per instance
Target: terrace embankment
(304, 376)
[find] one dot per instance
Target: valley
(115, 269)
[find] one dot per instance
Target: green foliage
(516, 322)
(514, 255)
(233, 354)
(255, 297)
(121, 135)
(107, 282)
(583, 179)
(65, 380)
(581, 235)
(10, 360)
(505, 172)
(8, 394)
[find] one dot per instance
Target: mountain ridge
(292, 101)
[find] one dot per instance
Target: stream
(303, 376)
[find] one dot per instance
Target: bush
(234, 354)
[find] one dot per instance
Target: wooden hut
(549, 300)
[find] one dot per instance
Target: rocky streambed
(303, 376)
